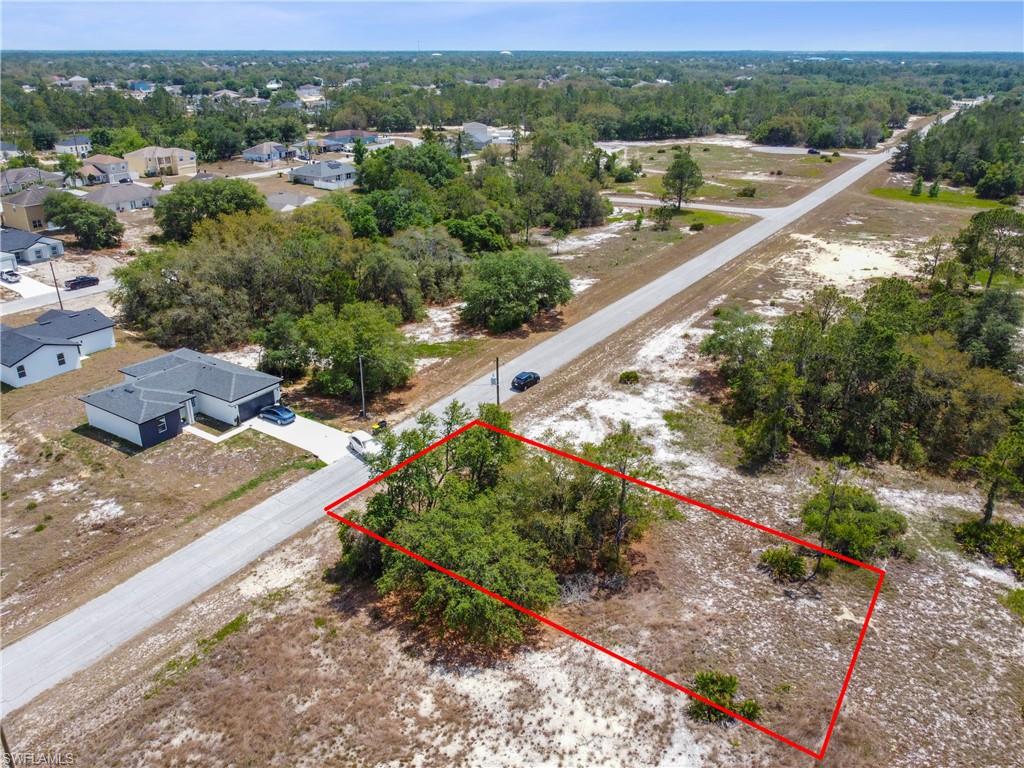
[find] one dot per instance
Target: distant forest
(795, 99)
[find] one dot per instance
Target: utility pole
(55, 286)
(362, 390)
(497, 385)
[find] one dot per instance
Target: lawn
(946, 197)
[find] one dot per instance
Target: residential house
(159, 396)
(265, 152)
(274, 85)
(224, 95)
(16, 179)
(481, 135)
(24, 210)
(29, 247)
(161, 161)
(124, 197)
(341, 140)
(306, 149)
(104, 169)
(329, 175)
(8, 262)
(285, 202)
(53, 344)
(78, 145)
(9, 149)
(78, 83)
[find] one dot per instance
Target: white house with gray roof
(80, 146)
(159, 396)
(53, 344)
(327, 175)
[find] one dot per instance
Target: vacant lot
(83, 511)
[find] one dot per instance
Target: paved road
(88, 633)
(50, 297)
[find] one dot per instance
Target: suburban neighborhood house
(24, 210)
(265, 152)
(104, 169)
(159, 396)
(16, 179)
(53, 344)
(481, 135)
(328, 175)
(346, 138)
(284, 202)
(29, 247)
(79, 146)
(161, 161)
(124, 197)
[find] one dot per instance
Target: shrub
(624, 174)
(835, 154)
(629, 377)
(1010, 200)
(852, 522)
(783, 564)
(747, 191)
(721, 689)
(998, 540)
(1015, 601)
(697, 226)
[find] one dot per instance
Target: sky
(484, 25)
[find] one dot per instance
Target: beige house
(161, 161)
(24, 210)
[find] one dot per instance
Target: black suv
(82, 281)
(525, 380)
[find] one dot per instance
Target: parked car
(524, 380)
(10, 276)
(363, 444)
(82, 281)
(813, 151)
(277, 414)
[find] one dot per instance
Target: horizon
(860, 27)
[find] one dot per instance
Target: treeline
(921, 374)
(513, 521)
(980, 147)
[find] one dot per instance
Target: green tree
(918, 186)
(179, 211)
(505, 290)
(69, 166)
(92, 225)
(1001, 470)
(993, 241)
(682, 178)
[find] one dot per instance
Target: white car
(363, 444)
(10, 276)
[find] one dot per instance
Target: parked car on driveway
(10, 276)
(363, 444)
(524, 380)
(277, 414)
(82, 281)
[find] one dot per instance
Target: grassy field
(946, 197)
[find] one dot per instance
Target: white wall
(96, 340)
(216, 408)
(41, 365)
(115, 425)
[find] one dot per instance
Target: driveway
(326, 443)
(29, 287)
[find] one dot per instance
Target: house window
(161, 425)
(54, 250)
(21, 371)
(60, 358)
(37, 223)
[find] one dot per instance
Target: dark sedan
(524, 380)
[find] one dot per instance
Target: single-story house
(224, 94)
(481, 135)
(124, 197)
(161, 161)
(24, 210)
(53, 344)
(265, 152)
(79, 146)
(104, 169)
(8, 262)
(16, 179)
(9, 149)
(29, 247)
(288, 201)
(78, 83)
(159, 396)
(346, 138)
(329, 175)
(307, 148)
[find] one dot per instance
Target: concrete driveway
(29, 287)
(326, 443)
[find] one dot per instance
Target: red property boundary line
(816, 754)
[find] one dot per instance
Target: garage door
(250, 408)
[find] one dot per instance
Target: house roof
(88, 169)
(70, 325)
(8, 146)
(13, 240)
(191, 371)
(265, 148)
(103, 159)
(18, 343)
(19, 175)
(121, 193)
(286, 201)
(327, 170)
(134, 404)
(30, 196)
(203, 176)
(350, 133)
(71, 141)
(153, 151)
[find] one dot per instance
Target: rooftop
(52, 328)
